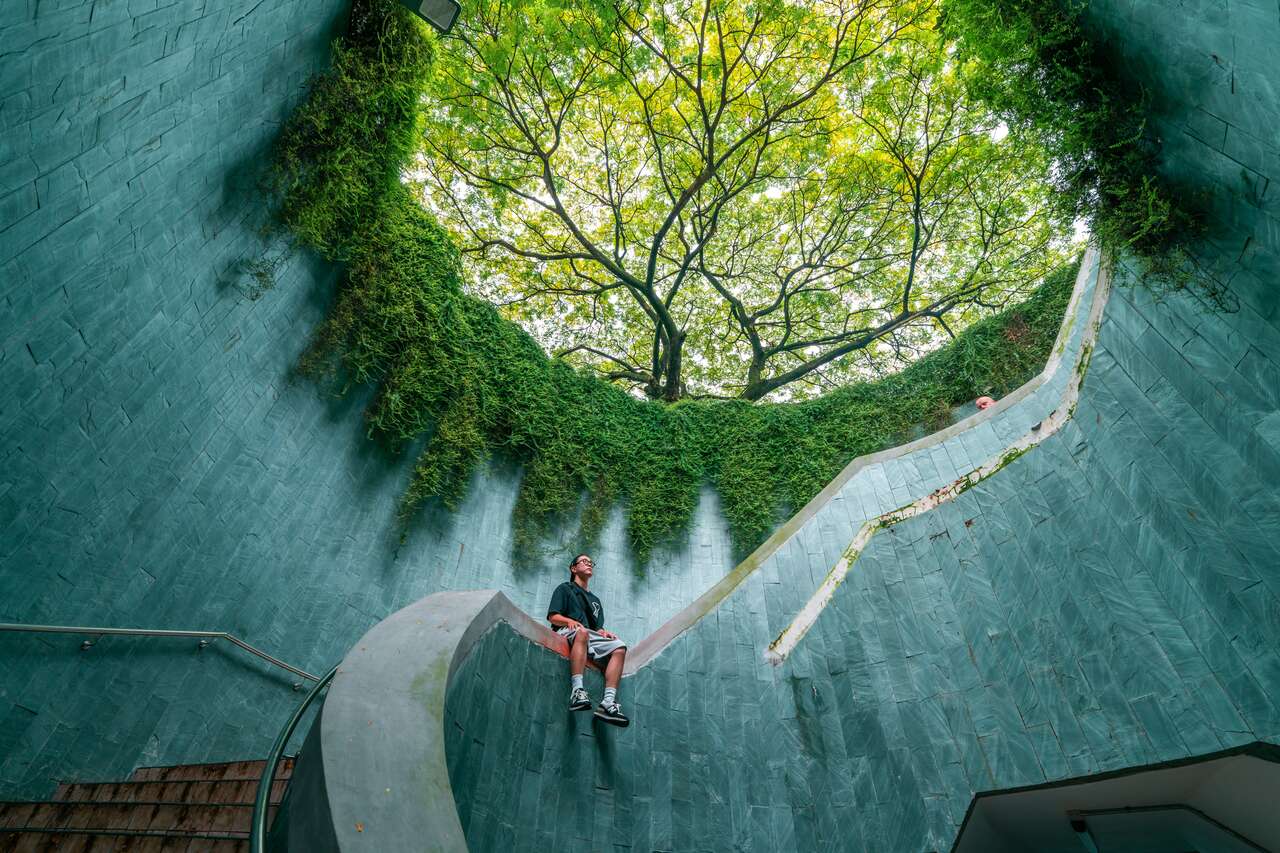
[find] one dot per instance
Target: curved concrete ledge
(1075, 337)
(377, 770)
(786, 641)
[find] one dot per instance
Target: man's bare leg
(578, 653)
(613, 672)
(609, 710)
(578, 699)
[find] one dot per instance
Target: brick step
(219, 819)
(192, 808)
(89, 841)
(210, 772)
(173, 791)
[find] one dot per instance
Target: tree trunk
(672, 381)
(754, 389)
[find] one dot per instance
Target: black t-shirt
(578, 604)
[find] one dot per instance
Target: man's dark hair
(574, 562)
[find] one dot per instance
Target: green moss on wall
(448, 367)
(1038, 66)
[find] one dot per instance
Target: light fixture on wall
(438, 13)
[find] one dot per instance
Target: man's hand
(608, 635)
(559, 620)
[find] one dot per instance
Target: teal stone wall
(1210, 67)
(141, 399)
(158, 468)
(1110, 599)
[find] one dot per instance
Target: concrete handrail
(1092, 271)
(385, 789)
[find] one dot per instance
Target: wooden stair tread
(251, 769)
(81, 841)
(177, 790)
(100, 815)
(193, 808)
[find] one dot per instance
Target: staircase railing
(258, 828)
(205, 638)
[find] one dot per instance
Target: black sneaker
(579, 700)
(612, 713)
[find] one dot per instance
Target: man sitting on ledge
(577, 616)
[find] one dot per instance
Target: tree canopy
(733, 199)
(458, 383)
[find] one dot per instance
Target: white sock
(610, 693)
(576, 681)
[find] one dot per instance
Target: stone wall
(1210, 68)
(158, 467)
(1109, 599)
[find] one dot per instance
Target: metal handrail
(205, 637)
(258, 828)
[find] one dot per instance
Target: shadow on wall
(1215, 108)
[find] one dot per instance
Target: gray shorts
(599, 647)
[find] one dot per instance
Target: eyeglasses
(585, 562)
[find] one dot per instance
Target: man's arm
(560, 621)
